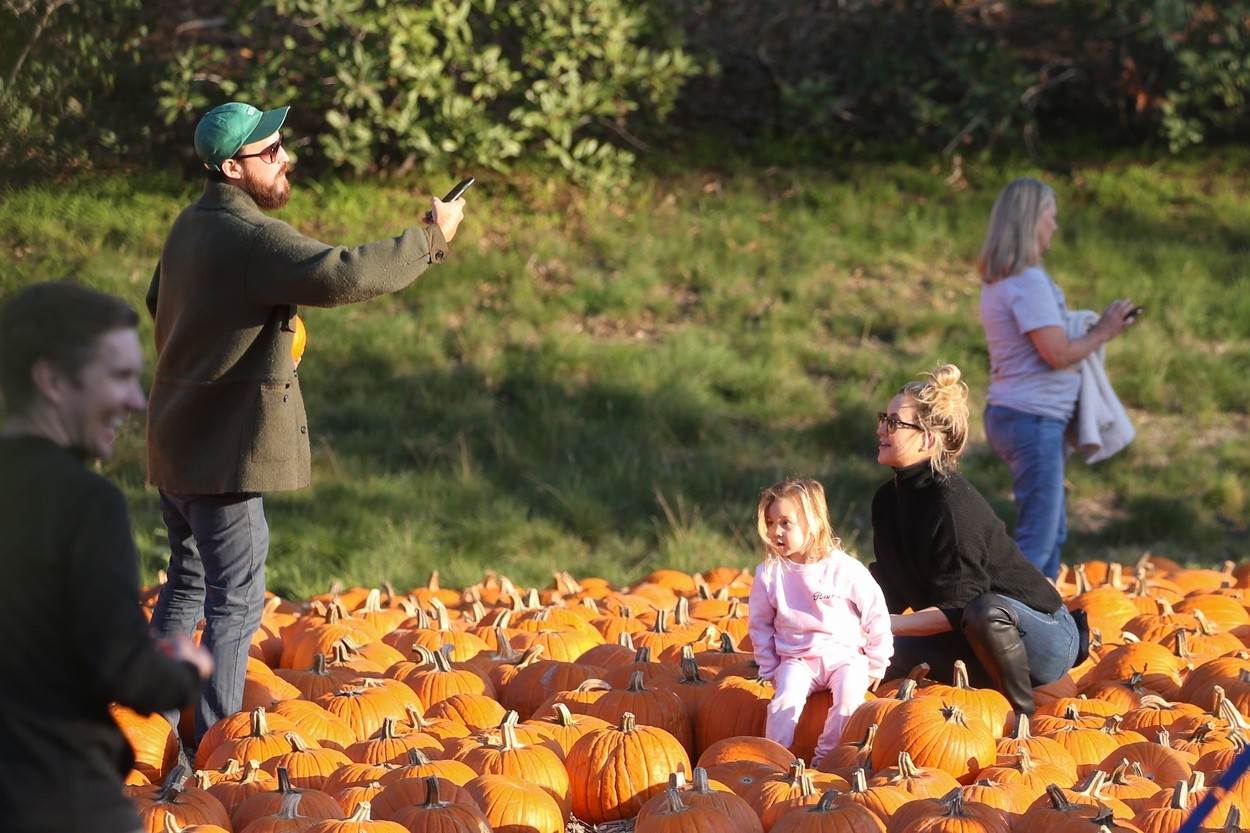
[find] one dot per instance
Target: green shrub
(469, 84)
(64, 70)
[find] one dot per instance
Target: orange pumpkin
(640, 756)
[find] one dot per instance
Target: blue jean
(218, 545)
(1032, 448)
(1050, 640)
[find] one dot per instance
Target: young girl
(817, 618)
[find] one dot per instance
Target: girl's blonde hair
(810, 496)
(941, 399)
(1011, 241)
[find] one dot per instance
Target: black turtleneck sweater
(74, 640)
(939, 544)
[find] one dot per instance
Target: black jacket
(75, 640)
(939, 544)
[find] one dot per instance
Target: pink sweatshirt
(829, 608)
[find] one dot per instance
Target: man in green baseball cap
(229, 135)
(225, 417)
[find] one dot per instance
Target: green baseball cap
(225, 129)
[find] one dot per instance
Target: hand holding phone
(453, 195)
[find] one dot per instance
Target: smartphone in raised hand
(453, 195)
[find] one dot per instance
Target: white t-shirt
(1020, 378)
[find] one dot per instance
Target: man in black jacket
(75, 638)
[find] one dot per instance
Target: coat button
(303, 429)
(285, 397)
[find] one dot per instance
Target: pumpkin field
(582, 706)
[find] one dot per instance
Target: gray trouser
(218, 545)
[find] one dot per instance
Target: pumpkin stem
(919, 672)
(507, 732)
(629, 722)
(532, 599)
(1082, 580)
(702, 590)
(1233, 824)
(690, 672)
(531, 655)
(387, 730)
(1115, 575)
(260, 726)
(643, 654)
(441, 663)
(290, 806)
(828, 802)
(870, 738)
(797, 770)
(253, 772)
(564, 717)
(1022, 728)
(1057, 799)
(727, 643)
(431, 792)
(284, 781)
(417, 758)
(961, 675)
(906, 766)
(172, 825)
(1197, 781)
(677, 780)
(675, 804)
(906, 690)
(440, 615)
(859, 781)
(681, 613)
(635, 681)
(1180, 796)
(433, 584)
(297, 743)
(373, 602)
(701, 785)
(661, 622)
(1093, 784)
(1026, 760)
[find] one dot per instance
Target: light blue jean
(218, 545)
(1032, 448)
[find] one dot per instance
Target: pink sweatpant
(797, 677)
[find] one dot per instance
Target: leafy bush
(857, 72)
(1177, 69)
(472, 83)
(63, 66)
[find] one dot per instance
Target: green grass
(604, 382)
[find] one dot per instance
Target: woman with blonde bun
(1034, 375)
(942, 552)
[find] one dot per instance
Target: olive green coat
(225, 413)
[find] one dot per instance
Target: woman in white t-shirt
(1033, 375)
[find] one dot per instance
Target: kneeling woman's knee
(985, 609)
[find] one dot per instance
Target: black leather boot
(991, 628)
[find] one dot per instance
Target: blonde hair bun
(951, 391)
(941, 398)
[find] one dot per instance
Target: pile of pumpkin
(497, 708)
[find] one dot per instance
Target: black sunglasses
(893, 423)
(268, 155)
